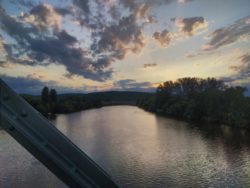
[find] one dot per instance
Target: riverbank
(242, 124)
(200, 100)
(69, 103)
(204, 124)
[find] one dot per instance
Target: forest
(197, 99)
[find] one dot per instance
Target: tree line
(197, 99)
(49, 103)
(190, 98)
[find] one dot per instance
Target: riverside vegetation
(196, 99)
(192, 99)
(49, 102)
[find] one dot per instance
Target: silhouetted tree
(200, 99)
(45, 95)
(53, 95)
(53, 101)
(45, 98)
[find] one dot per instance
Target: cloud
(83, 5)
(243, 69)
(43, 16)
(242, 73)
(149, 65)
(35, 40)
(120, 38)
(190, 26)
(132, 4)
(224, 36)
(26, 84)
(184, 1)
(60, 48)
(191, 54)
(163, 38)
(32, 84)
(133, 85)
(2, 50)
(15, 28)
(37, 36)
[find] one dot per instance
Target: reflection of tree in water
(233, 142)
(209, 153)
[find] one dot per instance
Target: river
(139, 149)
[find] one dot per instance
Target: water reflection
(139, 149)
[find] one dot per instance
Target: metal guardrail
(48, 144)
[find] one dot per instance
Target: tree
(45, 95)
(53, 95)
(201, 99)
(53, 101)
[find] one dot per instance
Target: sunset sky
(98, 45)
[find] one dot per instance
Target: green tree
(201, 99)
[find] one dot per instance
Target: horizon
(152, 91)
(104, 91)
(93, 46)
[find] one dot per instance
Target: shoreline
(197, 122)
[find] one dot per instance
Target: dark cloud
(185, 1)
(243, 69)
(26, 84)
(40, 44)
(15, 28)
(190, 26)
(37, 34)
(240, 29)
(163, 38)
(34, 85)
(63, 11)
(148, 65)
(234, 81)
(133, 4)
(133, 85)
(43, 16)
(61, 48)
(125, 33)
(242, 73)
(83, 5)
(24, 3)
(120, 38)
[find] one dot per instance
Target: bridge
(45, 142)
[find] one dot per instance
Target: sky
(98, 45)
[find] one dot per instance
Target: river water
(139, 149)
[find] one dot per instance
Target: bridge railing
(48, 144)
